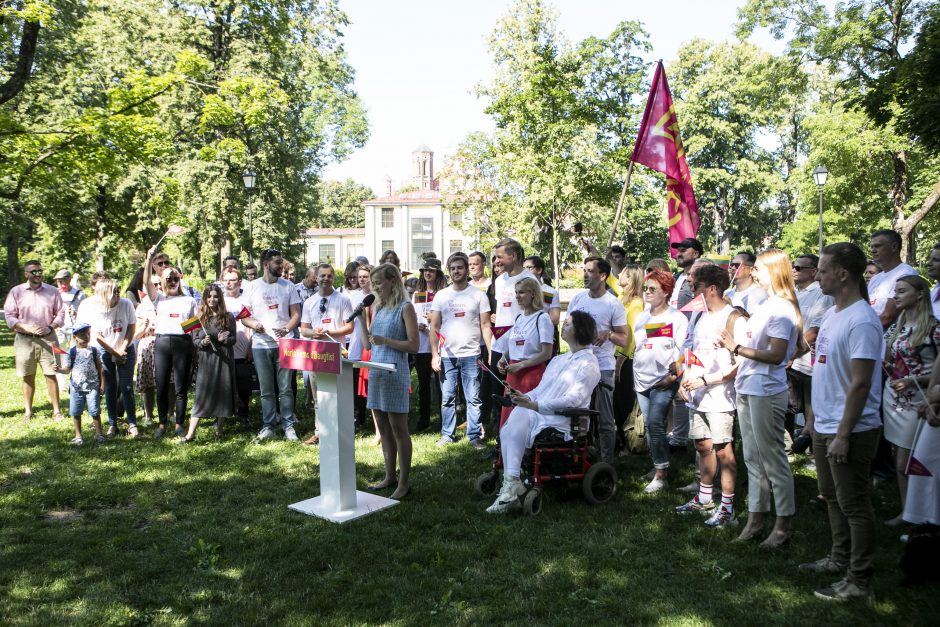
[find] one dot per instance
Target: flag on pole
(244, 313)
(191, 324)
(499, 332)
(175, 230)
(692, 359)
(57, 350)
(696, 304)
(659, 147)
(722, 261)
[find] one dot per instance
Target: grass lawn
(152, 532)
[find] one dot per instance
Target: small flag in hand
(421, 297)
(244, 313)
(57, 350)
(658, 330)
(693, 360)
(696, 304)
(191, 324)
(440, 342)
(499, 332)
(175, 229)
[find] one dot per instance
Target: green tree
(339, 203)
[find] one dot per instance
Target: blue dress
(388, 391)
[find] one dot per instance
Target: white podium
(339, 501)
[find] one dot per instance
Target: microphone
(367, 301)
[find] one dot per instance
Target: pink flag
(659, 147)
(175, 230)
(696, 304)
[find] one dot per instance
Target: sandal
(132, 432)
(57, 417)
(112, 431)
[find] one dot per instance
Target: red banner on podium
(309, 355)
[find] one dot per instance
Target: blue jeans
(655, 407)
(275, 383)
(469, 372)
(78, 400)
(119, 378)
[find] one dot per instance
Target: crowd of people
(835, 352)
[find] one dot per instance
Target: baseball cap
(81, 326)
(62, 274)
(689, 242)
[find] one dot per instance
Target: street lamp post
(820, 174)
(249, 177)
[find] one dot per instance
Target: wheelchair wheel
(486, 484)
(599, 484)
(532, 502)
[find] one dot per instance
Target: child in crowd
(87, 382)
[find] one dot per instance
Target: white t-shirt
(422, 302)
(460, 319)
(550, 298)
(881, 287)
(654, 354)
(715, 361)
(234, 304)
(674, 297)
(337, 309)
(112, 325)
(853, 333)
(527, 335)
(748, 299)
(774, 318)
(355, 342)
(608, 312)
(270, 305)
(935, 301)
(505, 291)
(813, 306)
(172, 312)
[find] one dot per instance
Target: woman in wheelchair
(568, 383)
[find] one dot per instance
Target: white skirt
(900, 422)
(923, 493)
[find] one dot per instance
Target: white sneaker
(291, 435)
(266, 433)
(508, 498)
(656, 485)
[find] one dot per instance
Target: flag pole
(620, 203)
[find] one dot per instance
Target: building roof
(417, 197)
(422, 148)
(334, 232)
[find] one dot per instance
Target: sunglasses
(163, 263)
(36, 272)
(172, 279)
(322, 305)
(801, 268)
(650, 289)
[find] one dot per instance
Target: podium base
(366, 503)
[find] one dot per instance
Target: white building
(414, 222)
(335, 246)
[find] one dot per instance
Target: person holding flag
(911, 349)
(241, 353)
(659, 333)
(708, 388)
(460, 322)
(173, 349)
(745, 292)
(772, 337)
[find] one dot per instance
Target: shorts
(79, 400)
(717, 426)
(30, 350)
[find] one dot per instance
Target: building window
(422, 239)
(388, 218)
(353, 251)
(327, 253)
(387, 244)
(455, 246)
(456, 217)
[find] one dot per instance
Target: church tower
(422, 159)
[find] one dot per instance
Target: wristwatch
(736, 349)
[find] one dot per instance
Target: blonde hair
(104, 290)
(921, 314)
(179, 284)
(780, 270)
(631, 279)
(396, 287)
(534, 289)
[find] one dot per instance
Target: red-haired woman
(659, 334)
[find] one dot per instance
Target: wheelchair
(570, 465)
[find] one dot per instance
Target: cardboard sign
(309, 355)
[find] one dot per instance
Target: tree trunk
(24, 62)
(101, 216)
(907, 225)
(554, 226)
(13, 258)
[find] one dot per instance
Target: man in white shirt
(708, 387)
(846, 425)
(509, 254)
(933, 271)
(478, 278)
(886, 250)
(306, 288)
(611, 320)
(244, 370)
(813, 305)
(275, 313)
(323, 318)
(460, 319)
(745, 292)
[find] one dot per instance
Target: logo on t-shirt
(821, 359)
(749, 335)
(326, 320)
(117, 328)
(507, 303)
(460, 314)
(174, 315)
(520, 342)
(273, 306)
